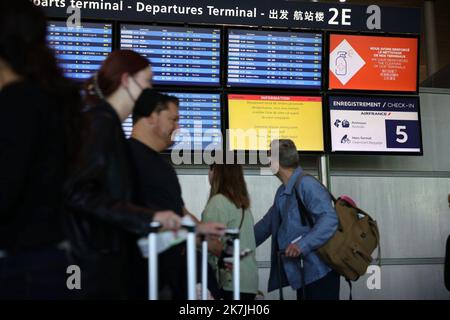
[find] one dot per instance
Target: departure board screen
(179, 56)
(80, 51)
(274, 59)
(200, 122)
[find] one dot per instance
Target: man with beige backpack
(313, 242)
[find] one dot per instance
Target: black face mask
(129, 93)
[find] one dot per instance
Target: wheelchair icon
(345, 139)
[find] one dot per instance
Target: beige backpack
(349, 250)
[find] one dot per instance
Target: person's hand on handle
(169, 220)
(292, 251)
(211, 229)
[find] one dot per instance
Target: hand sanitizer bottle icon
(341, 64)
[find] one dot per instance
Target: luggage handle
(204, 267)
(234, 234)
(190, 227)
(153, 260)
(191, 261)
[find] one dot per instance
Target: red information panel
(373, 63)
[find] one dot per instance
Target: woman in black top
(104, 222)
(39, 134)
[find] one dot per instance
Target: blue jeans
(326, 288)
(36, 275)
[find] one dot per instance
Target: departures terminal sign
(260, 13)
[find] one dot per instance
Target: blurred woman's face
(7, 74)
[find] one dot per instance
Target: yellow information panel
(255, 120)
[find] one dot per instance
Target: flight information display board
(255, 120)
(200, 122)
(375, 124)
(80, 51)
(274, 59)
(374, 63)
(179, 56)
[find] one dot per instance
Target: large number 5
(402, 134)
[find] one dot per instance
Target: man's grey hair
(288, 155)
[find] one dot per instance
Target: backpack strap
(304, 174)
(305, 215)
(351, 287)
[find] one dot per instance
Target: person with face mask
(104, 220)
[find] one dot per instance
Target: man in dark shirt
(155, 119)
(158, 180)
